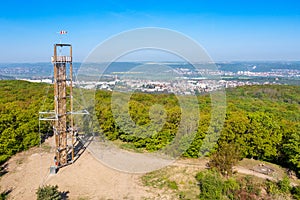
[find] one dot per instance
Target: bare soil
(88, 178)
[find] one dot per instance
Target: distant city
(171, 77)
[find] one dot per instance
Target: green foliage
(156, 180)
(230, 188)
(263, 121)
(296, 192)
(271, 187)
(48, 192)
(143, 134)
(281, 188)
(256, 119)
(214, 186)
(3, 195)
(19, 126)
(172, 185)
(291, 150)
(211, 185)
(249, 188)
(224, 158)
(284, 185)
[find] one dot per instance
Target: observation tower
(68, 146)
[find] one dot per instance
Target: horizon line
(149, 61)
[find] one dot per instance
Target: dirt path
(25, 171)
(243, 170)
(87, 177)
(202, 164)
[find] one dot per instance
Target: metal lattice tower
(63, 127)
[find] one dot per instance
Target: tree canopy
(262, 121)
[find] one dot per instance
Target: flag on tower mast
(63, 32)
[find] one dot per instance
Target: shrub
(284, 185)
(211, 185)
(296, 192)
(230, 188)
(223, 160)
(3, 196)
(271, 187)
(48, 192)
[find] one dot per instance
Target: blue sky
(228, 30)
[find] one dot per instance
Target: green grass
(178, 182)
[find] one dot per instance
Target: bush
(3, 195)
(280, 188)
(296, 192)
(284, 185)
(211, 185)
(223, 160)
(231, 186)
(271, 187)
(48, 192)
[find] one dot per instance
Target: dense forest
(263, 122)
(20, 103)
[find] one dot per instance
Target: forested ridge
(261, 121)
(20, 102)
